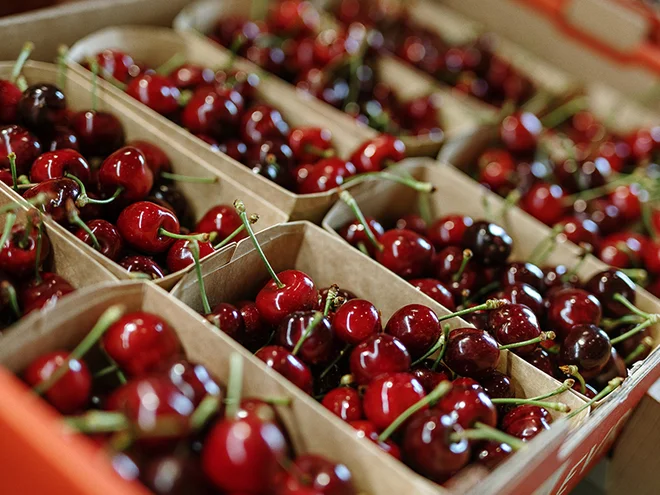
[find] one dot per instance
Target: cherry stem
(108, 318)
(74, 219)
(110, 78)
(555, 406)
(234, 386)
(486, 289)
(436, 394)
(10, 220)
(20, 61)
(544, 336)
(638, 275)
(363, 249)
(424, 207)
(610, 324)
(586, 250)
(12, 166)
(202, 237)
(254, 218)
(612, 385)
(40, 242)
(194, 250)
(206, 409)
(23, 241)
(573, 371)
(346, 197)
(189, 178)
(62, 51)
(426, 187)
(563, 112)
(566, 385)
(335, 361)
(445, 333)
(543, 249)
(645, 345)
(439, 344)
(489, 305)
(485, 432)
(621, 299)
(467, 256)
(83, 199)
(240, 209)
(600, 191)
(330, 298)
(652, 320)
(98, 422)
(106, 371)
(172, 63)
(320, 152)
(9, 294)
(318, 316)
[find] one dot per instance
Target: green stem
(544, 336)
(445, 332)
(23, 241)
(194, 250)
(254, 218)
(652, 320)
(612, 385)
(545, 247)
(630, 306)
(424, 206)
(573, 371)
(600, 191)
(202, 237)
(318, 316)
(363, 249)
(346, 197)
(610, 324)
(20, 61)
(320, 152)
(645, 345)
(106, 371)
(486, 289)
(489, 305)
(61, 66)
(335, 361)
(107, 319)
(234, 386)
(74, 219)
(12, 166)
(330, 298)
(467, 256)
(9, 292)
(98, 422)
(10, 220)
(206, 409)
(94, 67)
(436, 394)
(439, 344)
(189, 178)
(567, 385)
(485, 432)
(563, 112)
(176, 60)
(425, 187)
(555, 406)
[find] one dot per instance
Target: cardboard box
(200, 196)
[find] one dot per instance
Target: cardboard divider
(200, 197)
(456, 114)
(310, 426)
(303, 246)
(154, 46)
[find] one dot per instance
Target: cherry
(545, 202)
(315, 346)
(541, 359)
(390, 395)
(570, 307)
(228, 319)
(615, 367)
(138, 342)
(356, 321)
(520, 132)
(221, 219)
(652, 257)
(41, 106)
(523, 294)
(428, 447)
(142, 225)
(72, 392)
(192, 379)
(604, 214)
(54, 165)
(588, 347)
(117, 64)
(354, 233)
(345, 295)
(581, 231)
(451, 265)
(180, 257)
(377, 355)
(377, 153)
(19, 252)
(412, 222)
(43, 292)
(525, 273)
(21, 142)
(287, 365)
(156, 159)
(497, 385)
(526, 421)
(427, 375)
(514, 323)
(366, 429)
(295, 292)
(210, 113)
(416, 326)
(448, 231)
(170, 475)
(436, 290)
(310, 144)
(492, 454)
(497, 170)
(405, 252)
(315, 474)
(127, 169)
(142, 264)
(605, 285)
(155, 91)
(326, 174)
(468, 406)
(558, 277)
(59, 138)
(627, 199)
(98, 133)
(189, 76)
(262, 159)
(344, 402)
(61, 193)
(261, 123)
(471, 352)
(232, 147)
(10, 95)
(623, 249)
(489, 243)
(110, 241)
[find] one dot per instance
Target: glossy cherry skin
(545, 202)
(157, 160)
(155, 91)
(355, 321)
(62, 194)
(628, 200)
(514, 323)
(623, 249)
(448, 230)
(468, 406)
(436, 290)
(315, 474)
(223, 220)
(257, 331)
(344, 402)
(581, 231)
(489, 243)
(126, 168)
(615, 367)
(45, 292)
(447, 264)
(354, 234)
(210, 113)
(541, 359)
(228, 319)
(319, 345)
(111, 242)
(471, 352)
(416, 326)
(139, 342)
(192, 379)
(59, 138)
(430, 378)
(428, 449)
(379, 354)
(287, 365)
(41, 106)
(389, 395)
(140, 223)
(72, 392)
(405, 252)
(18, 261)
(526, 421)
(497, 170)
(179, 255)
(10, 95)
(54, 164)
(118, 64)
(492, 454)
(302, 139)
(142, 264)
(523, 273)
(604, 285)
(588, 347)
(326, 174)
(523, 294)
(497, 385)
(366, 429)
(174, 475)
(188, 76)
(520, 132)
(24, 144)
(298, 294)
(261, 123)
(570, 307)
(98, 133)
(378, 153)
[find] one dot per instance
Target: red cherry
(326, 174)
(261, 123)
(497, 385)
(98, 133)
(425, 374)
(126, 168)
(526, 421)
(378, 153)
(570, 307)
(59, 138)
(19, 257)
(54, 164)
(62, 194)
(416, 326)
(468, 406)
(42, 106)
(604, 285)
(156, 91)
(118, 64)
(581, 231)
(192, 379)
(545, 202)
(520, 132)
(142, 264)
(448, 231)
(140, 225)
(514, 323)
(492, 454)
(354, 233)
(587, 347)
(210, 113)
(490, 244)
(471, 352)
(541, 359)
(257, 332)
(366, 429)
(22, 143)
(107, 235)
(497, 170)
(379, 354)
(188, 76)
(10, 95)
(297, 294)
(43, 292)
(628, 200)
(436, 290)
(287, 365)
(72, 392)
(138, 342)
(319, 345)
(623, 249)
(390, 395)
(405, 253)
(223, 220)
(523, 294)
(355, 321)
(314, 474)
(310, 144)
(179, 255)
(156, 159)
(344, 402)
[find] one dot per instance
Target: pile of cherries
(337, 64)
(331, 343)
(598, 187)
(167, 422)
(473, 68)
(460, 262)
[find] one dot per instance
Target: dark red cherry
(587, 347)
(179, 255)
(22, 143)
(10, 95)
(526, 421)
(416, 326)
(155, 91)
(604, 285)
(139, 342)
(140, 225)
(471, 352)
(379, 354)
(207, 112)
(142, 264)
(257, 331)
(326, 174)
(523, 294)
(514, 323)
(628, 199)
(287, 365)
(497, 385)
(354, 234)
(390, 395)
(570, 307)
(581, 231)
(346, 295)
(558, 277)
(98, 133)
(229, 320)
(520, 132)
(192, 379)
(497, 170)
(173, 475)
(61, 193)
(623, 249)
(261, 123)
(72, 392)
(366, 429)
(344, 402)
(59, 138)
(436, 290)
(492, 454)
(310, 144)
(297, 294)
(319, 345)
(315, 474)
(541, 359)
(525, 273)
(545, 202)
(430, 375)
(118, 64)
(448, 231)
(54, 164)
(126, 168)
(412, 222)
(652, 258)
(405, 252)
(42, 106)
(156, 159)
(468, 406)
(19, 255)
(43, 292)
(615, 367)
(356, 321)
(107, 235)
(221, 219)
(377, 153)
(489, 243)
(188, 76)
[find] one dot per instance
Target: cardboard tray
(457, 193)
(200, 196)
(328, 260)
(156, 45)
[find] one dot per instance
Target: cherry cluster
(460, 262)
(598, 188)
(473, 68)
(167, 422)
(337, 64)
